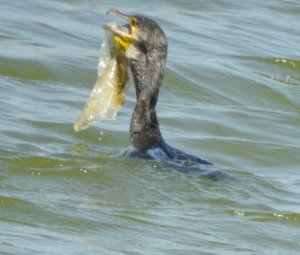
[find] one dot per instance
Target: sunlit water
(231, 94)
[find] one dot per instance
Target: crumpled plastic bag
(108, 94)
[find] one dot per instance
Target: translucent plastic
(108, 94)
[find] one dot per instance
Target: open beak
(123, 35)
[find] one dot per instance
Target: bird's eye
(133, 21)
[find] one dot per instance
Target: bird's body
(144, 45)
(164, 152)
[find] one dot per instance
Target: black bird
(144, 46)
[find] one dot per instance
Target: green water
(231, 94)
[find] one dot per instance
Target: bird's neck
(144, 127)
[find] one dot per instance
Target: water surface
(231, 94)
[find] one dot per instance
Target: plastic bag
(108, 94)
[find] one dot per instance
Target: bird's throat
(144, 127)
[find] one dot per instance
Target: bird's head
(140, 36)
(144, 45)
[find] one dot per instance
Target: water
(230, 94)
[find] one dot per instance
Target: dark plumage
(146, 52)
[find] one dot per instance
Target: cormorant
(144, 46)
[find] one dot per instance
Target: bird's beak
(118, 13)
(123, 35)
